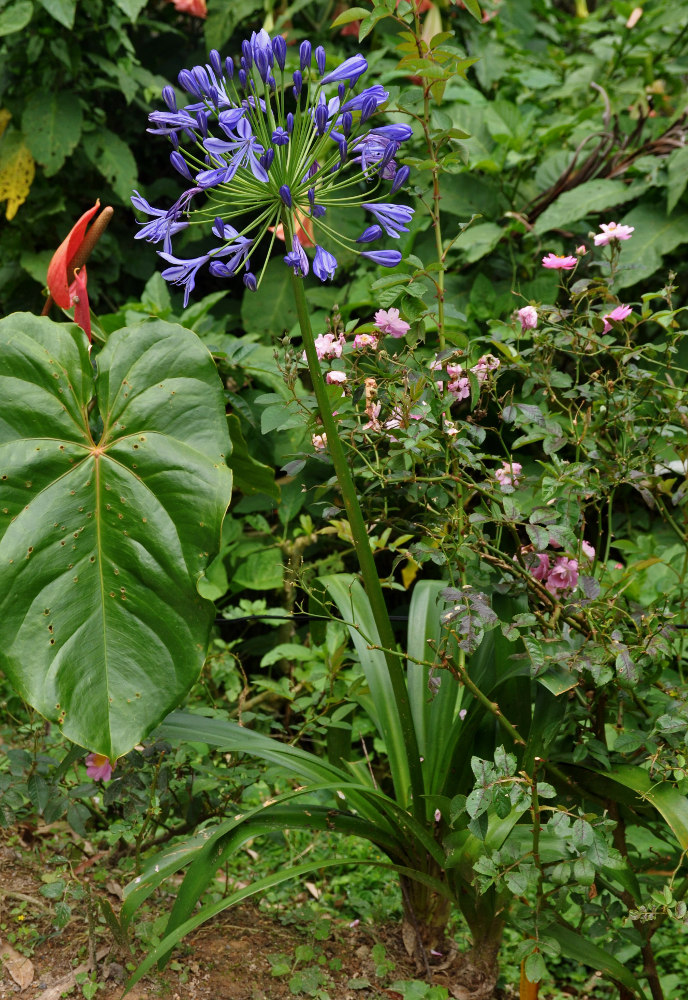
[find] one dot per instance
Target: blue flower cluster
(280, 156)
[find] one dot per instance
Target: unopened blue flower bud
(202, 119)
(370, 234)
(387, 258)
(202, 77)
(169, 97)
(247, 53)
(321, 118)
(341, 91)
(400, 178)
(347, 122)
(285, 195)
(174, 140)
(305, 54)
(214, 96)
(343, 150)
(368, 108)
(229, 67)
(266, 159)
(320, 59)
(250, 281)
(318, 210)
(242, 79)
(279, 47)
(262, 64)
(188, 82)
(272, 84)
(179, 163)
(215, 62)
(298, 82)
(290, 123)
(388, 155)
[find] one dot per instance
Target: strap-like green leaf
(666, 799)
(575, 946)
(103, 537)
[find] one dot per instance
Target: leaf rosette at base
(104, 537)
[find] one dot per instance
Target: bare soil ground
(227, 959)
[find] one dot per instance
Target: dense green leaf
(655, 235)
(51, 124)
(581, 201)
(347, 16)
(223, 18)
(477, 241)
(114, 160)
(62, 10)
(271, 310)
(101, 627)
(677, 176)
(250, 476)
(15, 17)
(132, 8)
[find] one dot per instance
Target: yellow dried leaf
(17, 171)
(4, 118)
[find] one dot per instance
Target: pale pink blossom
(363, 340)
(508, 475)
(319, 442)
(98, 767)
(460, 388)
(335, 377)
(634, 17)
(195, 7)
(563, 575)
(328, 346)
(528, 317)
(388, 321)
(588, 551)
(438, 815)
(559, 263)
(463, 713)
(612, 231)
(621, 312)
(489, 363)
(581, 250)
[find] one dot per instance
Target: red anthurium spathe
(78, 297)
(59, 278)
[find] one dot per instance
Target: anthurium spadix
(104, 533)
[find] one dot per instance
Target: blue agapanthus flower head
(268, 144)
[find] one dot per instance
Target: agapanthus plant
(267, 152)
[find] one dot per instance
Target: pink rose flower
(559, 263)
(363, 340)
(388, 321)
(538, 564)
(319, 442)
(195, 7)
(588, 551)
(335, 378)
(621, 312)
(528, 317)
(98, 767)
(612, 231)
(327, 346)
(508, 475)
(563, 575)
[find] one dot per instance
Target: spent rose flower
(485, 365)
(559, 263)
(563, 575)
(621, 312)
(335, 378)
(528, 317)
(612, 231)
(98, 767)
(588, 550)
(508, 475)
(388, 321)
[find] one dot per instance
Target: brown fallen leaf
(19, 966)
(68, 982)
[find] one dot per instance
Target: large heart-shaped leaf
(104, 535)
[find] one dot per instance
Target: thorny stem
(364, 553)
